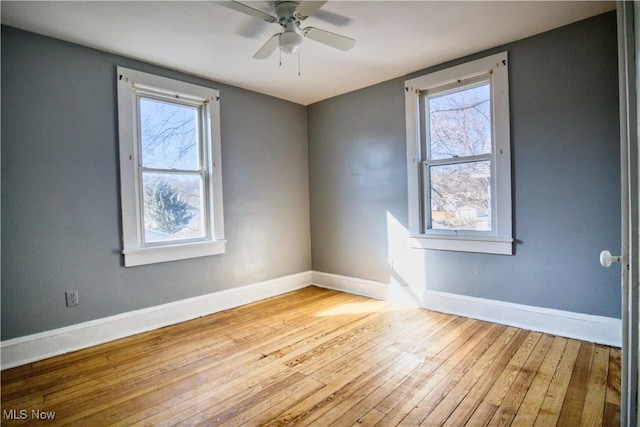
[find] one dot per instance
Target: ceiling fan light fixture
(290, 41)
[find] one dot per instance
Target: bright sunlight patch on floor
(364, 307)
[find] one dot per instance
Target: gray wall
(60, 196)
(566, 178)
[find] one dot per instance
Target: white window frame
(500, 239)
(131, 85)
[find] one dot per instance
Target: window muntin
(171, 180)
(459, 184)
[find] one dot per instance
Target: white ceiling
(394, 38)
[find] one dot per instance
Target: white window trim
(500, 240)
(135, 253)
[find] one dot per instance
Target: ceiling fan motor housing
(286, 13)
(290, 39)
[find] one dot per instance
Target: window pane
(169, 135)
(460, 123)
(172, 207)
(461, 196)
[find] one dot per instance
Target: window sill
(487, 245)
(156, 254)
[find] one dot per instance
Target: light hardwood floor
(319, 357)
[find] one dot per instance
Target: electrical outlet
(72, 298)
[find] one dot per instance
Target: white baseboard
(31, 348)
(585, 327)
(598, 329)
(351, 285)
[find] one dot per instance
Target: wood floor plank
(573, 404)
(593, 408)
(510, 401)
(451, 391)
(495, 389)
(349, 373)
(81, 368)
(115, 379)
(403, 397)
(232, 380)
(554, 398)
(325, 353)
(213, 383)
(432, 388)
(184, 330)
(337, 375)
(611, 416)
(317, 357)
(244, 404)
(119, 379)
(406, 360)
(358, 389)
(528, 412)
(362, 408)
(371, 418)
(613, 377)
(136, 389)
(435, 358)
(291, 397)
(120, 372)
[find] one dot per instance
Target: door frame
(628, 15)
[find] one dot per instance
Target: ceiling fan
(289, 14)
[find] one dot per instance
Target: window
(170, 172)
(458, 158)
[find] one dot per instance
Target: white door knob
(606, 259)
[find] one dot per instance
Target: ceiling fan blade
(307, 8)
(329, 38)
(267, 49)
(247, 10)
